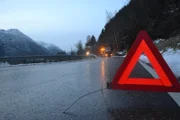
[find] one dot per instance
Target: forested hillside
(160, 18)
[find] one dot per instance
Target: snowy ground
(171, 57)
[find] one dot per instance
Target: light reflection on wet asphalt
(44, 91)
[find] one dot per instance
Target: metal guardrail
(38, 59)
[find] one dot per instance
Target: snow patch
(171, 57)
(178, 44)
(144, 58)
(158, 40)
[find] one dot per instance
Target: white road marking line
(175, 96)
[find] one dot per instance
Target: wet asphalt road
(44, 91)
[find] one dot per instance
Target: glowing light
(102, 49)
(87, 53)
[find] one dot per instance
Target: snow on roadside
(144, 59)
(4, 65)
(171, 57)
(158, 40)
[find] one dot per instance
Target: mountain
(52, 49)
(15, 43)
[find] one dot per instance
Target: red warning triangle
(166, 82)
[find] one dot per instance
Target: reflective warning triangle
(166, 82)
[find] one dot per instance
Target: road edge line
(174, 96)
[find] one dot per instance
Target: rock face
(15, 43)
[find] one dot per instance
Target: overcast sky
(61, 22)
